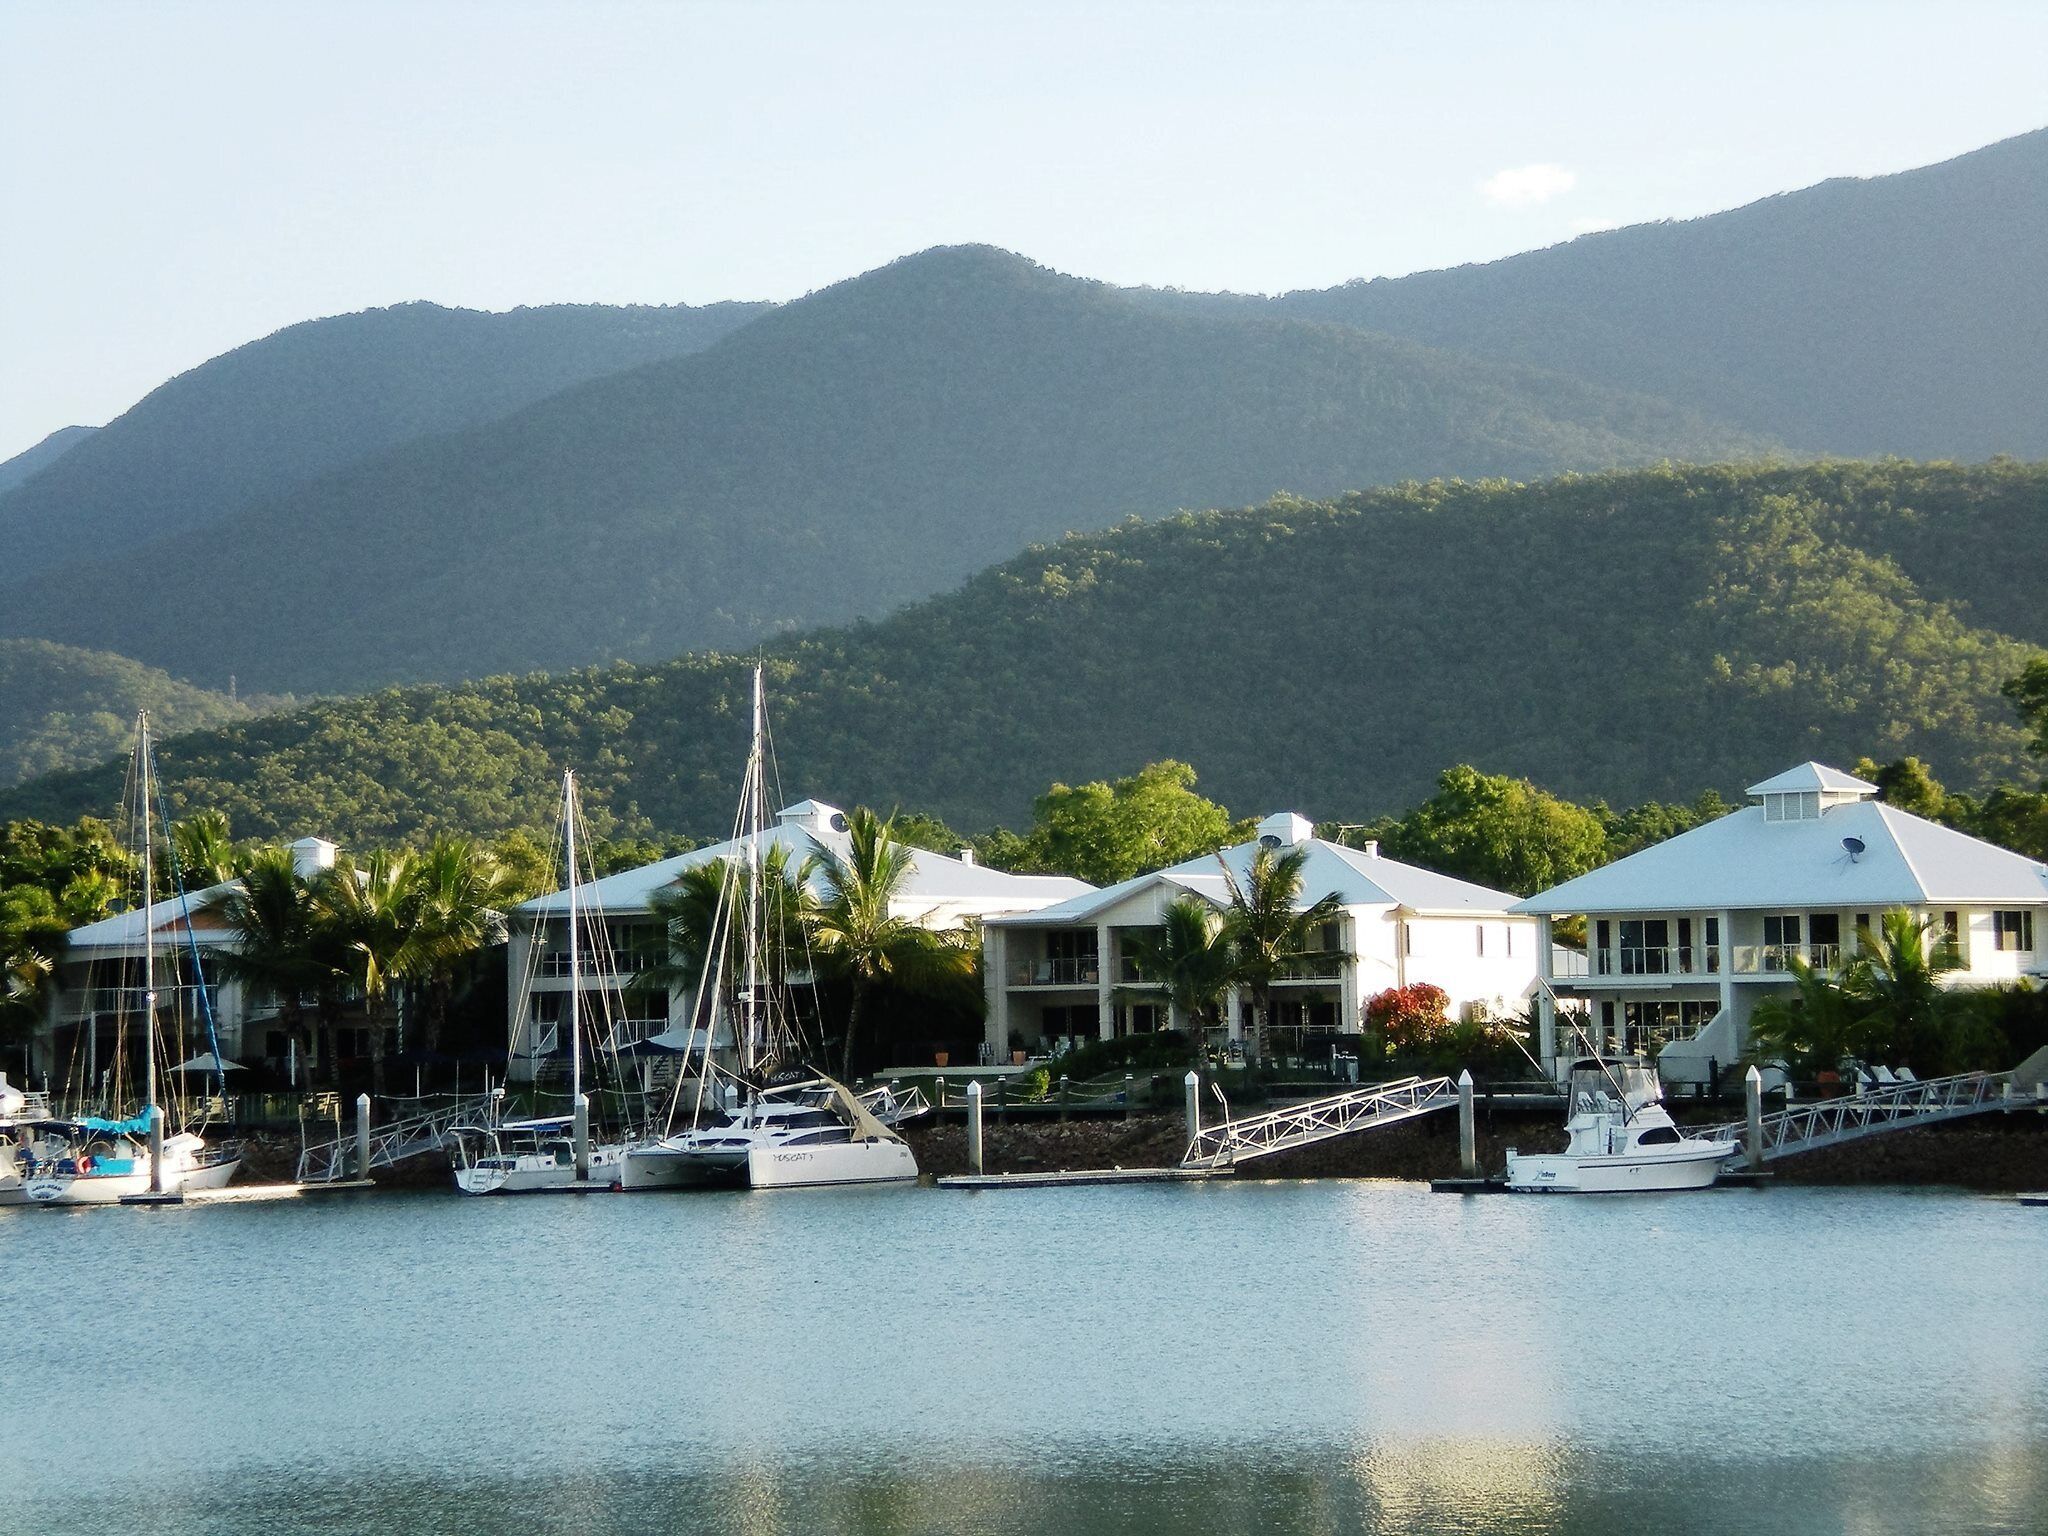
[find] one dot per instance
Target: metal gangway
(1300, 1125)
(324, 1162)
(1892, 1107)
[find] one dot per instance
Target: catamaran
(552, 1152)
(102, 1159)
(1622, 1139)
(764, 1122)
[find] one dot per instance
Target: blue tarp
(139, 1126)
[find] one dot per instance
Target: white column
(995, 983)
(518, 963)
(1105, 977)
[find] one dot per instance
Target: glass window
(1480, 931)
(1781, 928)
(2013, 930)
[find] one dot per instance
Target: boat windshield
(1637, 1083)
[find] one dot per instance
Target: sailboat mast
(575, 948)
(148, 948)
(756, 824)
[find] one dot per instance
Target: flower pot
(942, 1058)
(1016, 1058)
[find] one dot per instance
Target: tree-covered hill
(868, 445)
(37, 457)
(1903, 314)
(1630, 635)
(67, 708)
(315, 398)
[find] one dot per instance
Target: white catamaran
(551, 1153)
(751, 1124)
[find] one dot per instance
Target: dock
(1078, 1176)
(2032, 1197)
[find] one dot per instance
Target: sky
(178, 179)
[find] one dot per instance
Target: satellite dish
(1269, 842)
(838, 821)
(1855, 847)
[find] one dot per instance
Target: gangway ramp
(1301, 1125)
(323, 1162)
(1895, 1107)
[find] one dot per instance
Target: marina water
(1236, 1357)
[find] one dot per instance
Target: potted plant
(942, 1058)
(1016, 1047)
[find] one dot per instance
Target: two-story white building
(1061, 974)
(1684, 938)
(942, 891)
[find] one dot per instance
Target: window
(1603, 956)
(1645, 946)
(1407, 939)
(1480, 930)
(2013, 930)
(1800, 805)
(1862, 927)
(1508, 934)
(1825, 932)
(1781, 928)
(1952, 938)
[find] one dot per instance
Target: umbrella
(206, 1061)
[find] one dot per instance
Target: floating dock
(2032, 1197)
(1078, 1176)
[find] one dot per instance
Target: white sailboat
(1623, 1140)
(96, 1160)
(740, 1127)
(552, 1153)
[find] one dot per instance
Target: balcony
(554, 965)
(1312, 968)
(118, 1001)
(1662, 962)
(1776, 959)
(1081, 971)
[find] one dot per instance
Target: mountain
(859, 448)
(67, 708)
(314, 398)
(1903, 314)
(34, 460)
(1627, 635)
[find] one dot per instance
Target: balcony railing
(1775, 959)
(1312, 968)
(1084, 971)
(127, 1000)
(1653, 960)
(553, 965)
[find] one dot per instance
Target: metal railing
(185, 997)
(1232, 1142)
(1904, 1106)
(1652, 960)
(1775, 959)
(1084, 971)
(1311, 968)
(323, 1162)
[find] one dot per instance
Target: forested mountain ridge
(37, 457)
(316, 397)
(865, 446)
(1902, 314)
(68, 708)
(1627, 636)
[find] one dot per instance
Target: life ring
(84, 1163)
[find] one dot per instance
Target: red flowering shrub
(1412, 1018)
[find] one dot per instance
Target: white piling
(974, 1159)
(1193, 1083)
(362, 1135)
(582, 1138)
(156, 1148)
(1468, 1128)
(1753, 1106)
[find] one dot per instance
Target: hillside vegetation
(1627, 636)
(1903, 314)
(868, 445)
(312, 399)
(67, 708)
(38, 457)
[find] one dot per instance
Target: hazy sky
(180, 178)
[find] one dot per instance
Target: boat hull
(848, 1162)
(1685, 1167)
(537, 1176)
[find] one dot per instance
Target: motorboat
(1622, 1140)
(807, 1133)
(527, 1156)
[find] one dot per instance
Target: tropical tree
(1267, 929)
(370, 916)
(1189, 953)
(688, 910)
(205, 849)
(1895, 985)
(33, 936)
(856, 933)
(270, 919)
(1106, 832)
(1811, 1030)
(460, 892)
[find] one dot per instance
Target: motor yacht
(1622, 1139)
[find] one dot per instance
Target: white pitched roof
(1357, 879)
(1810, 776)
(806, 829)
(1743, 861)
(123, 931)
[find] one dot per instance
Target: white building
(100, 985)
(1684, 937)
(942, 891)
(1061, 974)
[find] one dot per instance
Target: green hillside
(315, 398)
(38, 457)
(1903, 314)
(66, 708)
(866, 446)
(1628, 635)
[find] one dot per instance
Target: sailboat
(760, 1124)
(554, 1152)
(101, 1159)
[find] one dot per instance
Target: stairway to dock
(1300, 1125)
(1876, 1111)
(324, 1162)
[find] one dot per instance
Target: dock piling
(1753, 1105)
(1468, 1130)
(582, 1138)
(974, 1156)
(1193, 1083)
(362, 1135)
(1130, 1086)
(1066, 1096)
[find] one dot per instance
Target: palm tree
(204, 849)
(460, 891)
(1811, 1031)
(1189, 953)
(370, 914)
(1895, 983)
(270, 917)
(855, 931)
(1266, 931)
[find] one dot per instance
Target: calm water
(1227, 1358)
